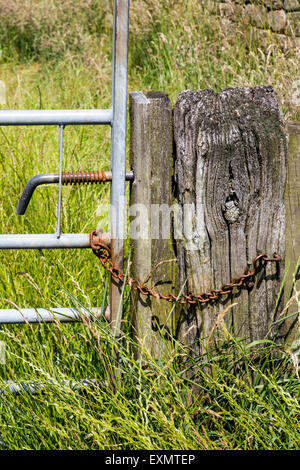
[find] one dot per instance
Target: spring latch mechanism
(81, 177)
(71, 177)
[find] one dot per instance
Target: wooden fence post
(292, 203)
(231, 159)
(151, 149)
(237, 183)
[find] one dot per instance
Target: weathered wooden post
(228, 173)
(292, 203)
(153, 258)
(231, 159)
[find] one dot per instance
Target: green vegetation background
(57, 55)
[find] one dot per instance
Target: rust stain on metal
(98, 238)
(78, 177)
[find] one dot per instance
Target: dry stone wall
(280, 16)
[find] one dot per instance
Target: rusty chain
(103, 253)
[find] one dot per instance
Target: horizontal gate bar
(40, 315)
(44, 240)
(54, 116)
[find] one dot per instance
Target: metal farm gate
(114, 117)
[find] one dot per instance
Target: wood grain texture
(151, 160)
(292, 202)
(231, 158)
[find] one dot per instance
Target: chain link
(103, 253)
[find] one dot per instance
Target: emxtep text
(173, 459)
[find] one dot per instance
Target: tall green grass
(228, 399)
(234, 397)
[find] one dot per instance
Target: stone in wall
(291, 5)
(256, 15)
(281, 16)
(293, 21)
(231, 11)
(283, 40)
(271, 4)
(288, 5)
(277, 20)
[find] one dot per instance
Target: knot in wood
(231, 209)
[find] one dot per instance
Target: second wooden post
(153, 258)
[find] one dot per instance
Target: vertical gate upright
(114, 117)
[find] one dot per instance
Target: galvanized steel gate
(116, 118)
